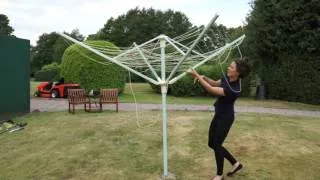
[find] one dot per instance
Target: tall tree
(140, 25)
(283, 36)
(235, 32)
(42, 53)
(61, 44)
(215, 37)
(5, 28)
(50, 48)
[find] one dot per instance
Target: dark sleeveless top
(225, 104)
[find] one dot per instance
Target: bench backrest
(109, 95)
(76, 96)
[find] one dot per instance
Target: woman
(228, 90)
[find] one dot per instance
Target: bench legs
(117, 107)
(72, 109)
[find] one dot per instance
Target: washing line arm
(192, 46)
(146, 61)
(236, 42)
(109, 58)
(174, 41)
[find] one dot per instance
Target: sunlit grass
(111, 146)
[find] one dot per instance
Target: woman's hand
(193, 73)
(213, 90)
(197, 79)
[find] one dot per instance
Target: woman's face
(232, 70)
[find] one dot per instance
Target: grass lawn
(144, 94)
(111, 146)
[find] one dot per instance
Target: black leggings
(219, 128)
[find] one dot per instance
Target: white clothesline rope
(145, 60)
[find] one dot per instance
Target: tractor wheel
(36, 94)
(54, 94)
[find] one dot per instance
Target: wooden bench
(77, 97)
(109, 96)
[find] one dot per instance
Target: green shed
(14, 76)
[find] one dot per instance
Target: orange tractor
(54, 90)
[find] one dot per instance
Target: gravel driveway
(52, 105)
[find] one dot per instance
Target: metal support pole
(164, 88)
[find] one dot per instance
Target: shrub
(49, 72)
(295, 80)
(246, 86)
(186, 87)
(134, 78)
(283, 38)
(78, 66)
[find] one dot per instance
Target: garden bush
(283, 39)
(135, 78)
(49, 72)
(295, 80)
(78, 66)
(186, 87)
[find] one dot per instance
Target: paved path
(52, 105)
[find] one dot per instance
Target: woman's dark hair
(243, 67)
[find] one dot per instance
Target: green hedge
(283, 38)
(186, 87)
(78, 66)
(133, 77)
(296, 79)
(246, 86)
(49, 72)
